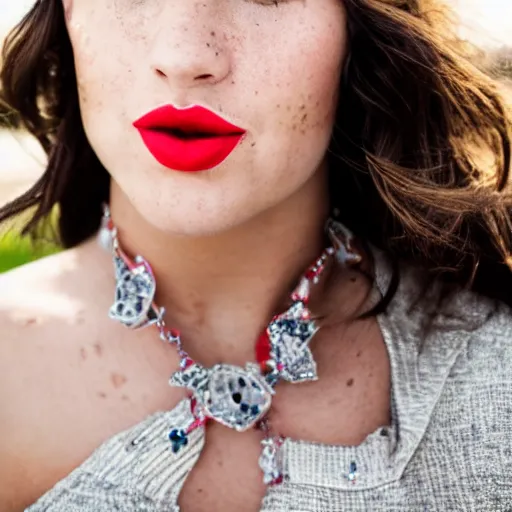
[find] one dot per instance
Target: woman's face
(271, 67)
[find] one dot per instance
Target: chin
(196, 228)
(184, 206)
(193, 222)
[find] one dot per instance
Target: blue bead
(244, 407)
(255, 410)
(178, 439)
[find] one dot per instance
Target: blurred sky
(487, 22)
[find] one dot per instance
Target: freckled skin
(272, 69)
(118, 380)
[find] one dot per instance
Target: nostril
(205, 76)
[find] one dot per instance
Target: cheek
(312, 83)
(101, 79)
(322, 78)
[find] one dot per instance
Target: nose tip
(191, 62)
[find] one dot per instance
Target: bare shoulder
(40, 303)
(70, 378)
(42, 312)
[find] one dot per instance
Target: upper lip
(194, 119)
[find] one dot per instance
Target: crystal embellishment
(352, 474)
(271, 461)
(289, 336)
(235, 397)
(343, 241)
(135, 291)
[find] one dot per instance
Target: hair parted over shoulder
(406, 166)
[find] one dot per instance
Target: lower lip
(189, 155)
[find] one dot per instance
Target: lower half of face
(269, 67)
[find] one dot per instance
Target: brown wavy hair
(419, 157)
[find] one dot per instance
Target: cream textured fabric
(449, 448)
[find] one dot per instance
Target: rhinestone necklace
(234, 396)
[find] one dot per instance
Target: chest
(348, 402)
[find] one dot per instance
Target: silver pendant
(235, 397)
(135, 292)
(289, 336)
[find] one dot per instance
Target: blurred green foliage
(16, 250)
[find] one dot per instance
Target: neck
(221, 290)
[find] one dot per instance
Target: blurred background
(486, 25)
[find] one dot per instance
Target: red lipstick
(191, 139)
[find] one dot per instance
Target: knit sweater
(449, 447)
